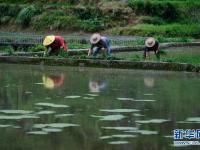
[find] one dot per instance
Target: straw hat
(95, 38)
(48, 40)
(150, 42)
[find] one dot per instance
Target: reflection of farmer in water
(97, 85)
(53, 81)
(149, 82)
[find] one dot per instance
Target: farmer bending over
(54, 44)
(98, 43)
(151, 45)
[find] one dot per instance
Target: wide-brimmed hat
(48, 40)
(150, 42)
(95, 38)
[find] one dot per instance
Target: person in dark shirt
(54, 44)
(151, 45)
(98, 43)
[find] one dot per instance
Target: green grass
(181, 55)
(78, 46)
(6, 49)
(183, 59)
(168, 30)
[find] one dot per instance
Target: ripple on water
(39, 83)
(144, 100)
(93, 95)
(18, 117)
(72, 96)
(49, 130)
(125, 99)
(51, 105)
(37, 132)
(110, 117)
(143, 132)
(5, 126)
(16, 111)
(118, 142)
(119, 110)
(55, 125)
(88, 98)
(193, 119)
(152, 121)
(45, 112)
(118, 136)
(138, 115)
(63, 115)
(121, 128)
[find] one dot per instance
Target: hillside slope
(169, 18)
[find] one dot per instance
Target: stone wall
(101, 63)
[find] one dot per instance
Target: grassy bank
(169, 30)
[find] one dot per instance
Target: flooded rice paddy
(59, 108)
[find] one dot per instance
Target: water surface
(59, 108)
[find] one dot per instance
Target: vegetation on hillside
(131, 17)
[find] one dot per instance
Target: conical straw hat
(48, 40)
(95, 38)
(150, 42)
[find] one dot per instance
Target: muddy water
(59, 108)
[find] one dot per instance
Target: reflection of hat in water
(149, 81)
(48, 40)
(150, 42)
(48, 82)
(96, 86)
(95, 38)
(51, 82)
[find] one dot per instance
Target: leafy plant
(63, 53)
(36, 48)
(7, 49)
(167, 10)
(25, 15)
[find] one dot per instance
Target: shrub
(7, 49)
(54, 22)
(4, 20)
(9, 10)
(167, 10)
(86, 13)
(92, 25)
(116, 10)
(25, 15)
